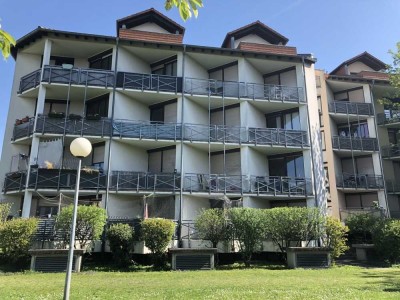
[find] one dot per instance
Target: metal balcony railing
(23, 130)
(78, 76)
(351, 211)
(359, 181)
(143, 181)
(215, 183)
(352, 108)
(277, 185)
(392, 151)
(14, 181)
(147, 130)
(353, 143)
(236, 89)
(389, 117)
(392, 186)
(149, 82)
(215, 133)
(277, 136)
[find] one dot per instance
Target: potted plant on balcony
(93, 117)
(18, 122)
(56, 115)
(25, 120)
(75, 117)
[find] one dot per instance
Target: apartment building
(175, 128)
(359, 138)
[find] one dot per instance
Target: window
(162, 160)
(228, 72)
(54, 106)
(165, 67)
(288, 165)
(60, 60)
(97, 106)
(101, 61)
(164, 112)
(323, 140)
(289, 120)
(357, 130)
(98, 155)
(318, 81)
(353, 95)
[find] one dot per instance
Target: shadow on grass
(390, 280)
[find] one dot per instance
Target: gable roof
(366, 58)
(151, 15)
(257, 28)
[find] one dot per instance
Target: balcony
(143, 181)
(355, 144)
(214, 183)
(390, 118)
(392, 186)
(149, 82)
(276, 185)
(14, 181)
(215, 133)
(75, 76)
(234, 89)
(359, 181)
(391, 152)
(277, 136)
(350, 108)
(147, 130)
(99, 127)
(352, 211)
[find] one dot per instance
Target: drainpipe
(371, 87)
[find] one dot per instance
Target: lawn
(259, 283)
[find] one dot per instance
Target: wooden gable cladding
(263, 48)
(130, 34)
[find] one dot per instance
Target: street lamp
(80, 148)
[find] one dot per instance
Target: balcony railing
(349, 212)
(388, 117)
(353, 143)
(236, 89)
(143, 181)
(215, 183)
(147, 130)
(277, 136)
(149, 82)
(392, 151)
(359, 181)
(14, 181)
(215, 133)
(352, 108)
(276, 185)
(392, 186)
(78, 76)
(24, 129)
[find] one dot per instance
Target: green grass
(258, 283)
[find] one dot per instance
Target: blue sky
(333, 30)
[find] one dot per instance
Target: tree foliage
(362, 227)
(6, 41)
(292, 225)
(185, 7)
(249, 230)
(335, 237)
(211, 224)
(386, 239)
(90, 223)
(120, 238)
(394, 68)
(156, 234)
(16, 237)
(5, 209)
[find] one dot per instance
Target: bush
(156, 234)
(361, 228)
(288, 225)
(4, 211)
(248, 228)
(386, 238)
(211, 224)
(120, 238)
(335, 237)
(90, 223)
(16, 237)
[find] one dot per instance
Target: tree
(386, 239)
(120, 238)
(6, 41)
(211, 224)
(4, 211)
(248, 228)
(90, 223)
(335, 237)
(185, 7)
(394, 78)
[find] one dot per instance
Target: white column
(47, 52)
(26, 207)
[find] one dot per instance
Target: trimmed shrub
(248, 227)
(156, 234)
(90, 223)
(362, 227)
(4, 211)
(16, 237)
(386, 238)
(120, 238)
(335, 237)
(212, 225)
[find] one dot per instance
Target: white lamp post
(80, 148)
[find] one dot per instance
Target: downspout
(371, 87)
(180, 243)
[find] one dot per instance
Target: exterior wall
(128, 62)
(150, 27)
(130, 158)
(251, 38)
(130, 109)
(358, 67)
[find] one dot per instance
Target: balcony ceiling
(149, 55)
(265, 66)
(337, 86)
(344, 118)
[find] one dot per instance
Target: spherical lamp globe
(80, 147)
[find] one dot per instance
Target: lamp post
(80, 148)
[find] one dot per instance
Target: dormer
(150, 25)
(258, 37)
(359, 65)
